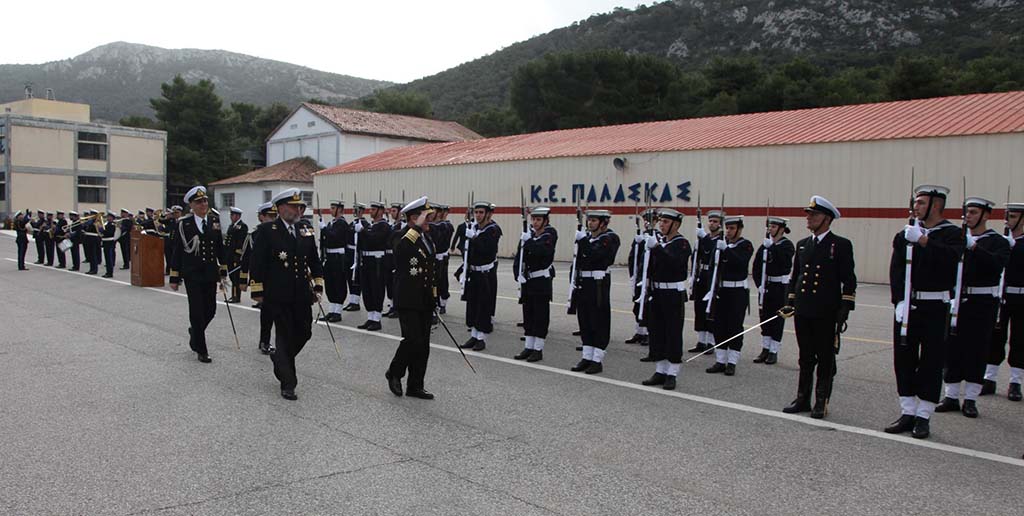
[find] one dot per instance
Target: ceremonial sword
(784, 312)
(455, 342)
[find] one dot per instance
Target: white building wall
(248, 197)
(868, 181)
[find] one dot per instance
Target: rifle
(636, 246)
(954, 307)
(522, 208)
(355, 237)
(470, 223)
(316, 208)
(575, 254)
(908, 268)
(693, 257)
(648, 229)
(1002, 276)
(710, 297)
(764, 255)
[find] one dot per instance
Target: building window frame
(92, 189)
(227, 199)
(92, 146)
(3, 185)
(268, 195)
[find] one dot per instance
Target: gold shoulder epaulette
(412, 235)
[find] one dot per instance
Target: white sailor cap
(110, 213)
(931, 191)
(335, 202)
(236, 210)
(195, 194)
(140, 212)
(289, 196)
(733, 219)
(599, 214)
(1015, 206)
(176, 208)
(669, 213)
(60, 212)
(397, 205)
(979, 202)
(376, 204)
(48, 213)
(540, 211)
(441, 207)
(358, 206)
(75, 213)
(148, 209)
(417, 205)
(484, 205)
(715, 214)
(819, 203)
(265, 207)
(778, 221)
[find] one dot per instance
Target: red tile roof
(945, 116)
(295, 170)
(383, 124)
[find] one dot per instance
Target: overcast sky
(393, 40)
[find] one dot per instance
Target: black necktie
(202, 226)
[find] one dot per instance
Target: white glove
(1011, 240)
(471, 233)
(899, 311)
(971, 241)
(639, 238)
(526, 236)
(652, 241)
(701, 233)
(913, 233)
(521, 279)
(358, 228)
(323, 224)
(768, 242)
(580, 235)
(721, 245)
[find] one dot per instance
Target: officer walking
(707, 242)
(287, 279)
(918, 356)
(196, 259)
(538, 248)
(596, 249)
(985, 256)
(772, 286)
(1011, 314)
(822, 290)
(481, 290)
(665, 305)
(731, 297)
(237, 233)
(334, 236)
(22, 226)
(415, 300)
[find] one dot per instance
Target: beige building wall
(134, 194)
(42, 147)
(136, 155)
(52, 109)
(41, 192)
(868, 181)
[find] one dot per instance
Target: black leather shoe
(635, 339)
(73, 269)
(469, 344)
(125, 268)
(717, 368)
(800, 404)
(730, 369)
(391, 314)
(234, 300)
(761, 358)
(373, 326)
(655, 379)
(988, 387)
(364, 325)
(577, 333)
(480, 345)
(108, 275)
(579, 348)
(419, 393)
(948, 405)
(970, 409)
(536, 356)
(442, 310)
(524, 354)
(265, 348)
(820, 408)
(204, 358)
(257, 305)
(670, 383)
(334, 317)
(395, 384)
(351, 307)
(699, 348)
(647, 358)
(91, 273)
(771, 359)
(904, 424)
(594, 368)
(1013, 393)
(581, 365)
(520, 325)
(288, 395)
(921, 428)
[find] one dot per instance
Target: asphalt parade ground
(106, 411)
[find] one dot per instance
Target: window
(227, 200)
(3, 147)
(3, 186)
(267, 195)
(92, 189)
(311, 124)
(92, 146)
(307, 197)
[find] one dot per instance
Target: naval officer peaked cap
(236, 210)
(265, 207)
(419, 204)
(289, 196)
(195, 194)
(819, 203)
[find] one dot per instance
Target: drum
(64, 245)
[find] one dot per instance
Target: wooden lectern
(147, 253)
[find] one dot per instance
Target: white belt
(1015, 290)
(594, 274)
(779, 279)
(539, 274)
(705, 267)
(931, 296)
(374, 254)
(482, 268)
(389, 251)
(441, 256)
(335, 250)
(86, 233)
(675, 285)
(979, 291)
(734, 284)
(351, 246)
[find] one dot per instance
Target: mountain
(118, 79)
(830, 33)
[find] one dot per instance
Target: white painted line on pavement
(820, 423)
